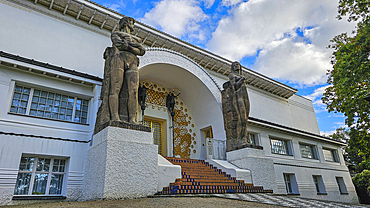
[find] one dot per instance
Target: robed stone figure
(119, 92)
(235, 107)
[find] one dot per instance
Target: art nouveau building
(51, 70)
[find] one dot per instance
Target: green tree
(349, 79)
(351, 151)
(362, 184)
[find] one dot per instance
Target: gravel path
(188, 202)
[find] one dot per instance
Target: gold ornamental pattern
(185, 142)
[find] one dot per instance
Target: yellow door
(157, 128)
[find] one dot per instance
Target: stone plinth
(121, 163)
(253, 159)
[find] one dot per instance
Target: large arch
(199, 91)
(161, 55)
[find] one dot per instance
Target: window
(279, 147)
(319, 184)
(40, 176)
(330, 155)
(341, 185)
(288, 183)
(34, 102)
(208, 133)
(307, 151)
(253, 138)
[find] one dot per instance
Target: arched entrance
(200, 96)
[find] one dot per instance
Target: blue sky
(285, 40)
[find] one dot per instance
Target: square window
(307, 151)
(330, 155)
(279, 146)
(41, 185)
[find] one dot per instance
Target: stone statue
(119, 92)
(235, 108)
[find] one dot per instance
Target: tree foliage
(362, 184)
(349, 79)
(352, 152)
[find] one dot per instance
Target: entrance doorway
(157, 128)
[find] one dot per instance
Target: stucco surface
(121, 163)
(6, 194)
(262, 169)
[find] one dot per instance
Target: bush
(362, 185)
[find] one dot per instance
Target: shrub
(362, 185)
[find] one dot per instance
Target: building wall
(304, 168)
(37, 36)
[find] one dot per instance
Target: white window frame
(50, 172)
(288, 148)
(31, 95)
(313, 149)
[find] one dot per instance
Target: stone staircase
(199, 177)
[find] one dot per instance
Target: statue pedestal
(121, 163)
(254, 160)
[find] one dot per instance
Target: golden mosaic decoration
(183, 127)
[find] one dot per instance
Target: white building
(51, 69)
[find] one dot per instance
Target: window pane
(26, 91)
(328, 155)
(26, 163)
(15, 102)
(33, 112)
(252, 138)
(43, 164)
(39, 186)
(44, 94)
(17, 95)
(279, 146)
(22, 110)
(36, 93)
(22, 184)
(306, 151)
(20, 99)
(56, 184)
(13, 109)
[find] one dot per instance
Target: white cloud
(317, 93)
(116, 6)
(295, 62)
(208, 3)
(176, 17)
(318, 105)
(269, 26)
(327, 133)
(230, 2)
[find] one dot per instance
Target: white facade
(76, 41)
